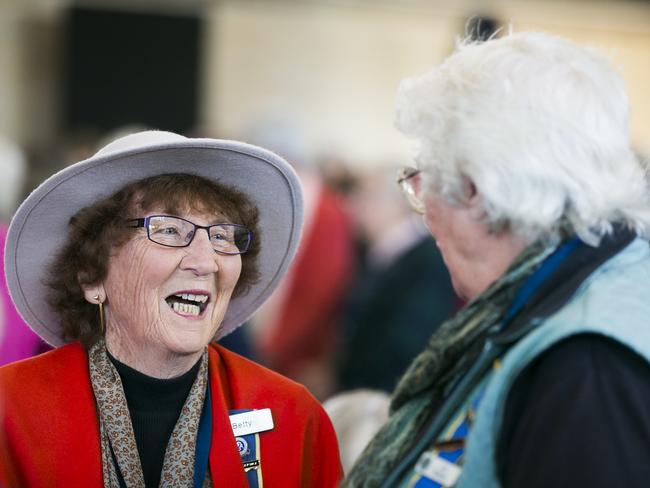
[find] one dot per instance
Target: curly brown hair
(97, 231)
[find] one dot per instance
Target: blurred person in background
(525, 178)
(297, 330)
(131, 263)
(356, 416)
(17, 341)
(402, 291)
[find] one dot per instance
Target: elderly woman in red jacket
(132, 262)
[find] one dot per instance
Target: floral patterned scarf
(117, 440)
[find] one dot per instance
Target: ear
(470, 192)
(94, 293)
(472, 198)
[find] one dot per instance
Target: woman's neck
(149, 360)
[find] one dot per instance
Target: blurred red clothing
(303, 327)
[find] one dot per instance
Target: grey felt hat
(40, 226)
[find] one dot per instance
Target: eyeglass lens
(408, 180)
(176, 232)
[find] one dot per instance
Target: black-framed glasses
(171, 231)
(411, 188)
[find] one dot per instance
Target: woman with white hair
(526, 180)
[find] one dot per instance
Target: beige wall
(333, 67)
(30, 37)
(11, 74)
(333, 70)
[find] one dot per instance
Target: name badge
(251, 422)
(437, 469)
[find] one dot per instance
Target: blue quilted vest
(613, 301)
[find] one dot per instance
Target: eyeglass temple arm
(407, 174)
(136, 222)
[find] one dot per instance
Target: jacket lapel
(225, 463)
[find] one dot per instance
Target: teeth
(194, 298)
(186, 308)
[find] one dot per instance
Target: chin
(189, 343)
(458, 289)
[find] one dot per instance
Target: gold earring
(100, 302)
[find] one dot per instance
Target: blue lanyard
(203, 441)
(249, 451)
(531, 285)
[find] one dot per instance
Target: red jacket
(49, 435)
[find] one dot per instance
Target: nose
(200, 256)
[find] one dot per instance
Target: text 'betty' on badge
(251, 422)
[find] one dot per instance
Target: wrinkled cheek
(230, 287)
(234, 275)
(134, 305)
(226, 287)
(131, 303)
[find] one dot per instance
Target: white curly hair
(539, 125)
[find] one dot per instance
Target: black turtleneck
(155, 405)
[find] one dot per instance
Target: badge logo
(242, 446)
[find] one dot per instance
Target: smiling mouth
(191, 304)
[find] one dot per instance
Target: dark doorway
(131, 68)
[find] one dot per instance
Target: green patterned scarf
(452, 350)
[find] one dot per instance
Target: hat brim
(39, 228)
